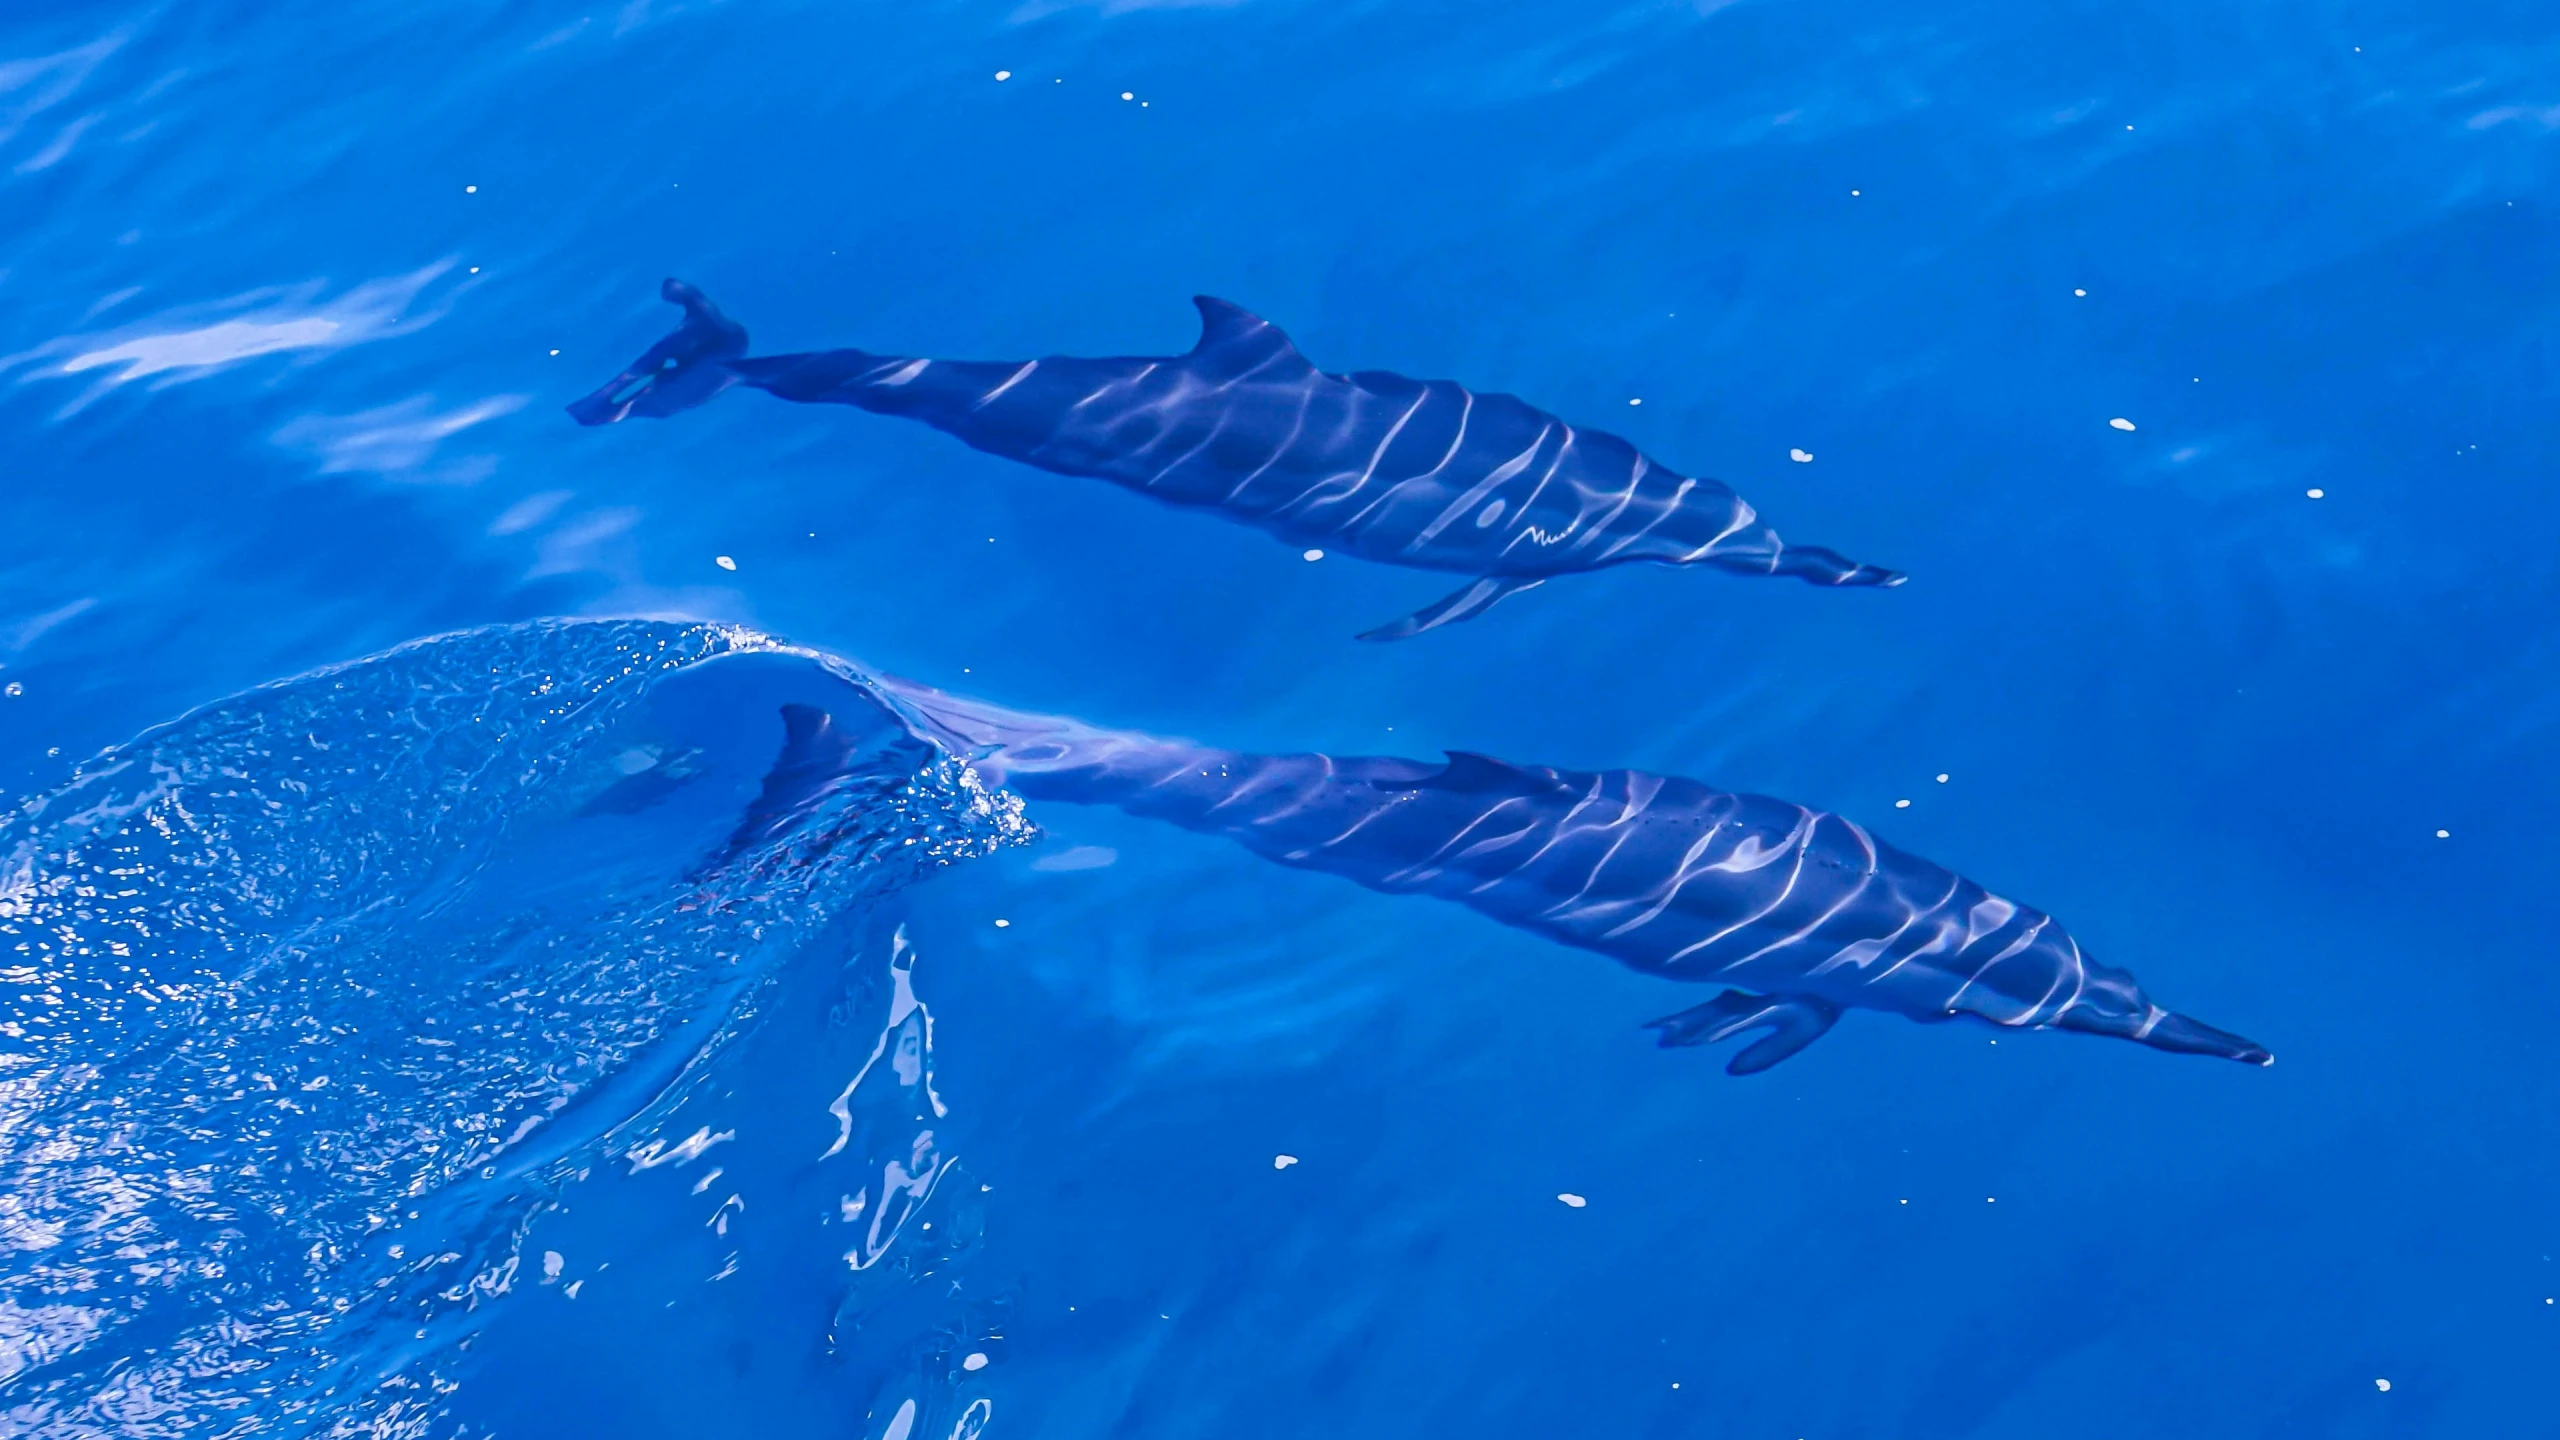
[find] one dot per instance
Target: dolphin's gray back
(1666, 875)
(1413, 472)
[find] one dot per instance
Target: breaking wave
(347, 1022)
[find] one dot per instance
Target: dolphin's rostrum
(1804, 913)
(1418, 473)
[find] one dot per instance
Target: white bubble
(1004, 74)
(470, 189)
(1801, 457)
(1576, 1201)
(2121, 423)
(2316, 493)
(1635, 402)
(555, 352)
(2383, 1385)
(976, 1360)
(1313, 555)
(1004, 924)
(1283, 1162)
(724, 562)
(1942, 779)
(2082, 293)
(1901, 804)
(2441, 834)
(1128, 95)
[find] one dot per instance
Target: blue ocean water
(291, 297)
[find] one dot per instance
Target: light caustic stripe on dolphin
(1419, 473)
(1804, 913)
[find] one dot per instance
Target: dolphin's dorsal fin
(1234, 340)
(1469, 773)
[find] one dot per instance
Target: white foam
(976, 1360)
(1801, 457)
(724, 562)
(1283, 1162)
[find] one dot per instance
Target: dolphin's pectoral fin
(684, 369)
(1793, 1023)
(1466, 604)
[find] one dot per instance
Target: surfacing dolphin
(1422, 473)
(1802, 912)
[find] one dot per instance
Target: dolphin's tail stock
(686, 368)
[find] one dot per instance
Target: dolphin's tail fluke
(681, 371)
(1830, 567)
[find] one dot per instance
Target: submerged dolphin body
(1408, 472)
(1803, 912)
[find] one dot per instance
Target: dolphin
(1803, 913)
(1421, 473)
